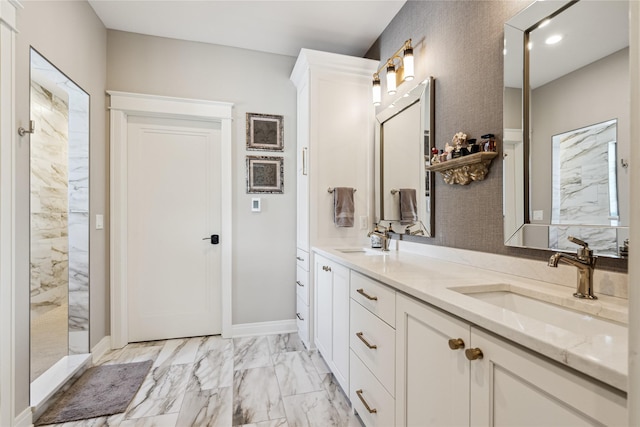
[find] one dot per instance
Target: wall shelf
(463, 170)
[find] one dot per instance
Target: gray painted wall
(460, 43)
(263, 243)
(69, 35)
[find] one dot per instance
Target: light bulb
(407, 61)
(391, 79)
(376, 91)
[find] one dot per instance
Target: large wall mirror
(59, 217)
(567, 130)
(404, 138)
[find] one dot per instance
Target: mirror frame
(523, 23)
(426, 98)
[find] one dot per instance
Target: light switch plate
(99, 222)
(538, 215)
(364, 222)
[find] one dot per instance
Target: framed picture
(265, 174)
(264, 132)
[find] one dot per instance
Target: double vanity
(415, 340)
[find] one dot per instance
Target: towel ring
(330, 190)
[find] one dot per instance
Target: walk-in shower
(59, 217)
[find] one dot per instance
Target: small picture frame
(265, 132)
(265, 174)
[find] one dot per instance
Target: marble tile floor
(264, 381)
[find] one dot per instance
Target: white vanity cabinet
(334, 139)
(503, 384)
(432, 373)
(512, 386)
(373, 351)
(332, 317)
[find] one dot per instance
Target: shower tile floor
(49, 339)
(268, 381)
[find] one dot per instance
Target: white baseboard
(24, 419)
(264, 328)
(99, 350)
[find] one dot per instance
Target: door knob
(214, 238)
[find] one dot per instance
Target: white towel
(343, 206)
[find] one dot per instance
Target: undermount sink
(570, 319)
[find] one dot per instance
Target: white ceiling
(284, 27)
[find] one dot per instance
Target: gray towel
(343, 206)
(408, 206)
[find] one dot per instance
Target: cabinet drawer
(302, 259)
(368, 331)
(365, 389)
(374, 296)
(302, 319)
(302, 284)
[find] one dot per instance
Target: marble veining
(257, 396)
(585, 188)
(193, 382)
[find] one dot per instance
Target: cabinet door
(511, 386)
(432, 380)
(302, 175)
(340, 307)
(323, 302)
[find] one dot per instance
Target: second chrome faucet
(585, 261)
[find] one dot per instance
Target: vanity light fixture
(397, 73)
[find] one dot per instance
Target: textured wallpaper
(460, 43)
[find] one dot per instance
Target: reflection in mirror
(566, 136)
(404, 138)
(59, 217)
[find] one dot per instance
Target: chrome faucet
(384, 235)
(585, 261)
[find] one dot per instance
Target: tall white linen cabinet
(335, 131)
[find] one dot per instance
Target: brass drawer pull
(326, 268)
(473, 353)
(299, 317)
(371, 346)
(364, 402)
(456, 343)
(366, 295)
(299, 284)
(299, 258)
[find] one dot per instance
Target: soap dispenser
(376, 240)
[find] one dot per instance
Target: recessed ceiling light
(553, 39)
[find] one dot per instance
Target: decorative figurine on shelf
(489, 142)
(449, 150)
(459, 142)
(435, 158)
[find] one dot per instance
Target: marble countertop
(602, 356)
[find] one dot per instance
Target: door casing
(122, 105)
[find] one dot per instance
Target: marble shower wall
(49, 201)
(584, 188)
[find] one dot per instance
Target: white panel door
(173, 203)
